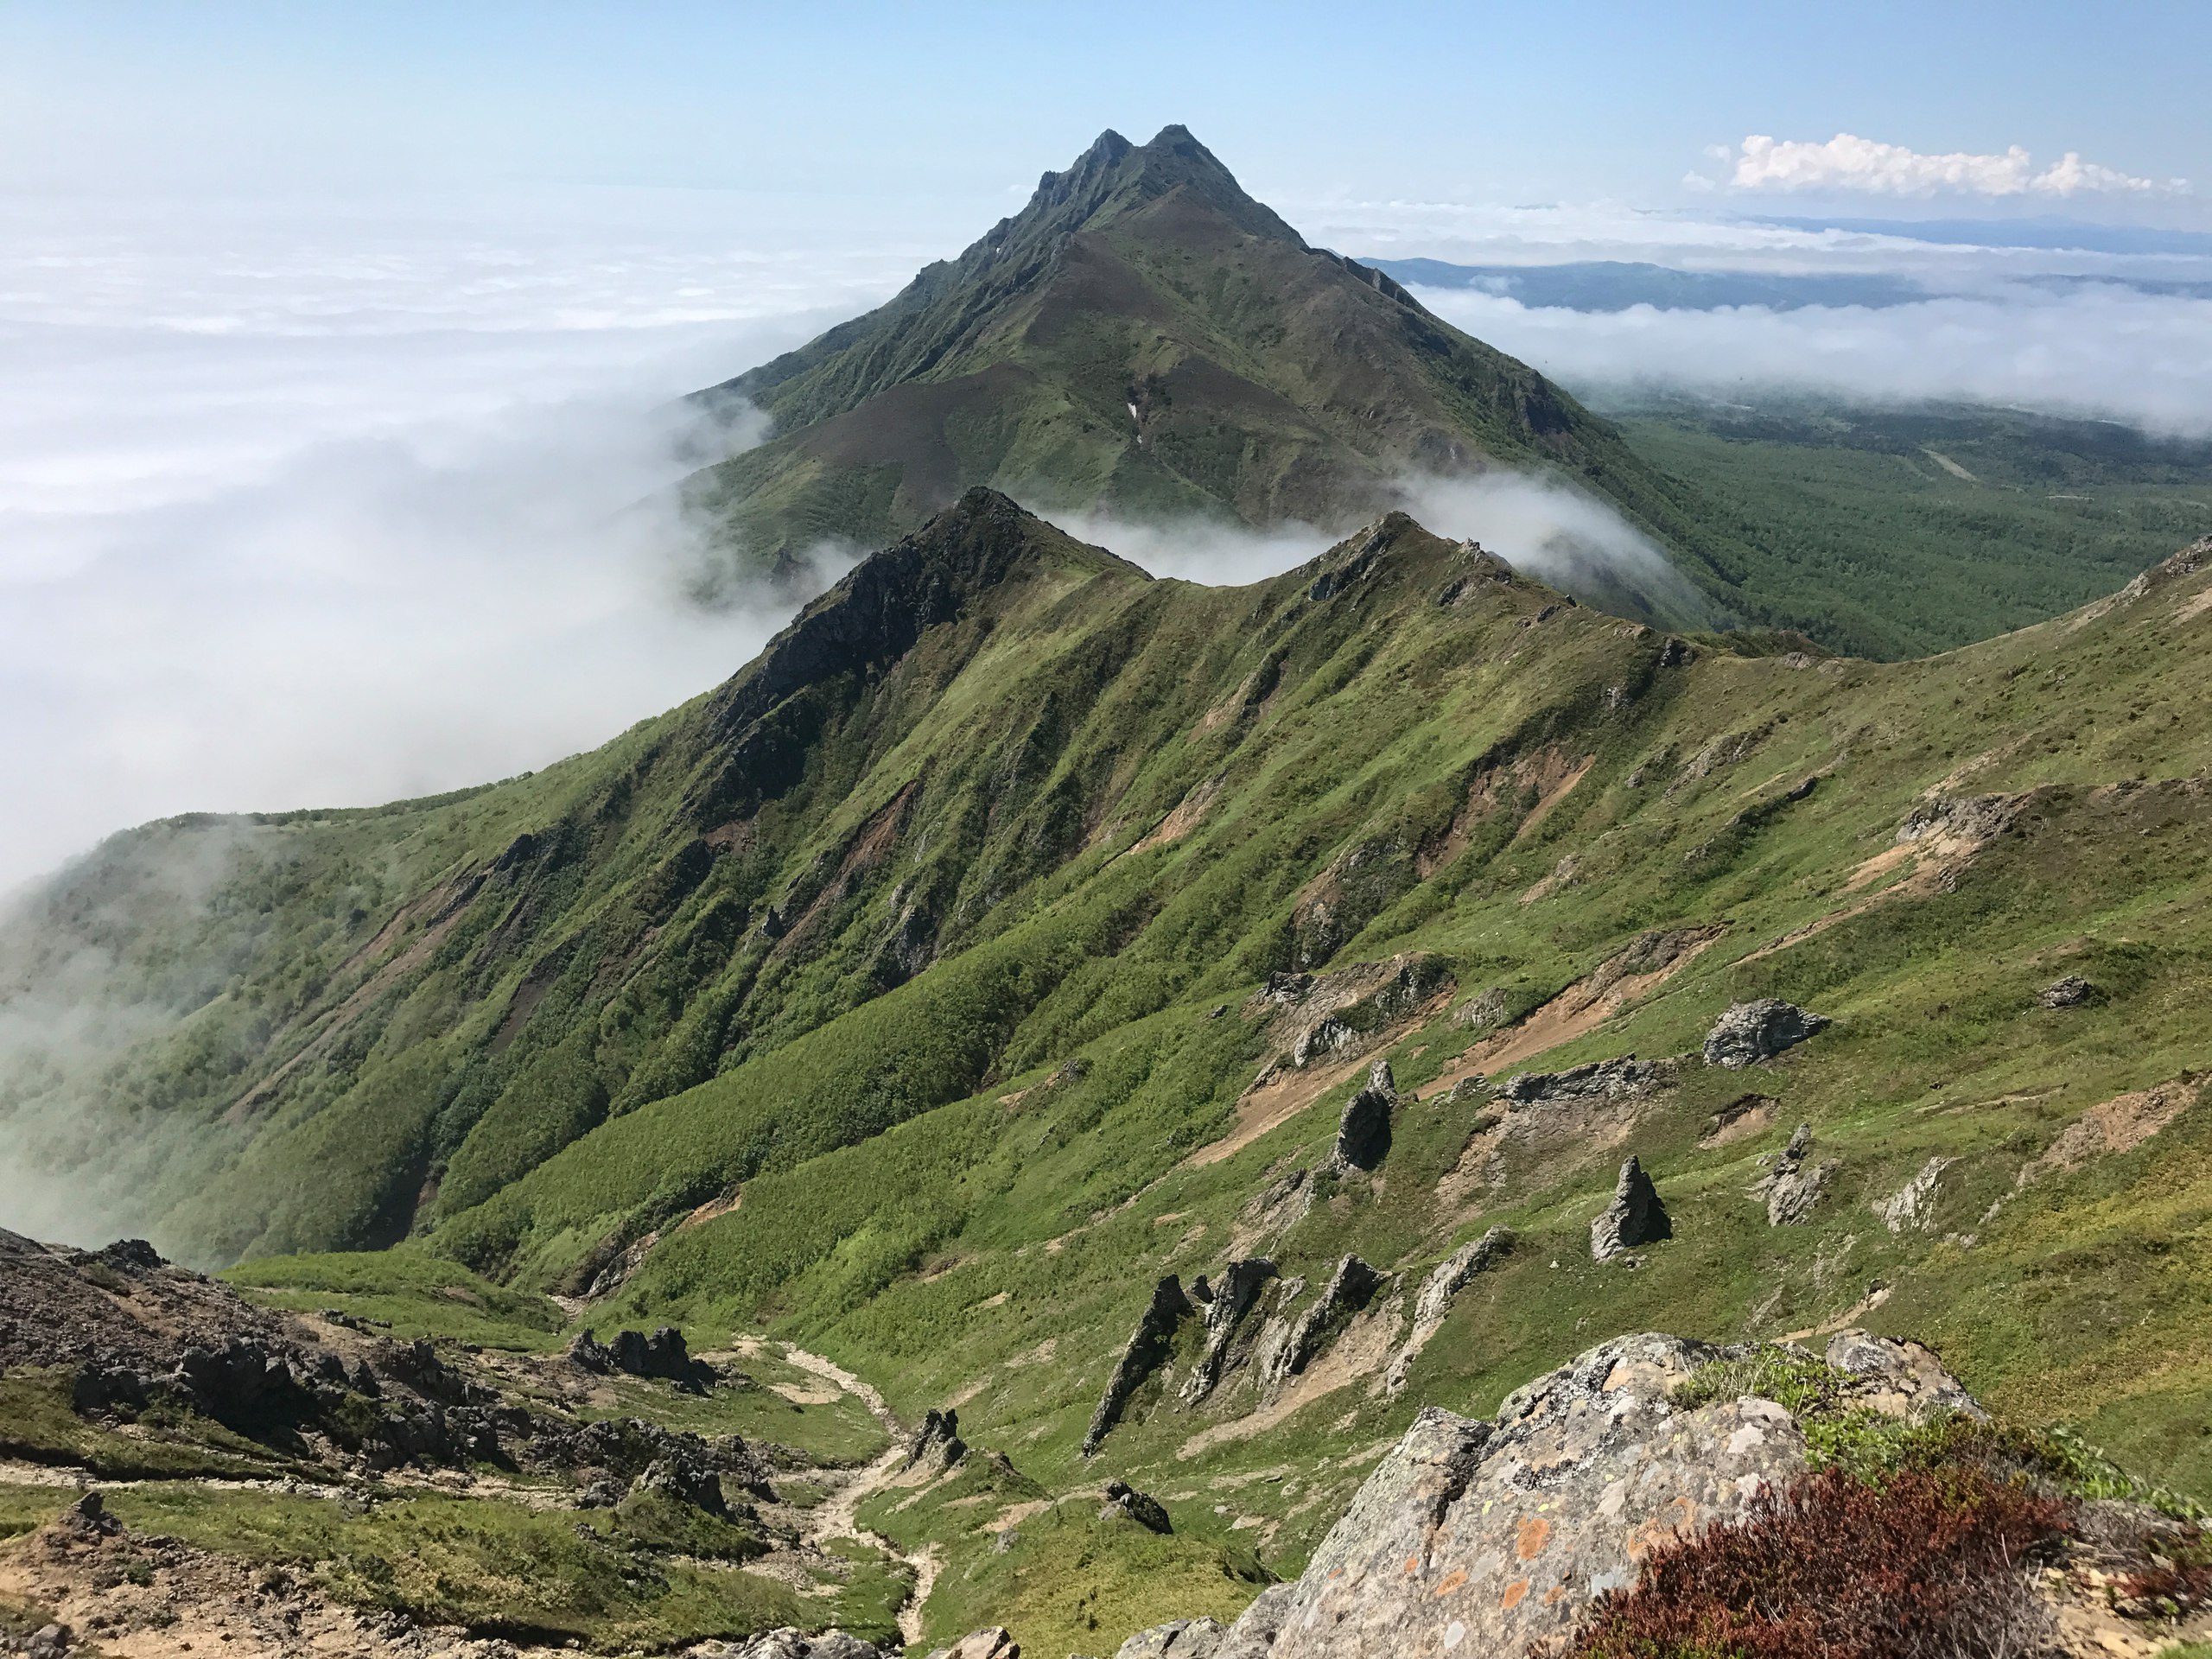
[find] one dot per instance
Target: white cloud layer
(2140, 358)
(1848, 162)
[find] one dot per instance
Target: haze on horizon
(341, 344)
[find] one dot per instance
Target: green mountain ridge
(1016, 930)
(1147, 340)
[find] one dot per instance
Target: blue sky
(1501, 102)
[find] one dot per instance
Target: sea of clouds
(325, 503)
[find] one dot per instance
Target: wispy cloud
(1850, 163)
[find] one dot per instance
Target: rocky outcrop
(996, 1642)
(1259, 1625)
(1226, 1304)
(1179, 1639)
(632, 1353)
(1959, 818)
(1363, 1133)
(1636, 1217)
(1140, 1356)
(1793, 1185)
(938, 1441)
(1350, 1287)
(1125, 1501)
(1751, 1032)
(1599, 1080)
(682, 1479)
(2071, 992)
(1450, 1277)
(1484, 1537)
(1913, 1204)
(1899, 1379)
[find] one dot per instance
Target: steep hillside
(1018, 932)
(1145, 338)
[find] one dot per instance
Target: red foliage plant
(1929, 1564)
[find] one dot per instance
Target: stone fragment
(1900, 1379)
(1636, 1216)
(1751, 1032)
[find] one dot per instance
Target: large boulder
(1751, 1032)
(1363, 1133)
(938, 1441)
(1125, 1501)
(996, 1642)
(1495, 1538)
(1636, 1217)
(1179, 1639)
(1795, 1184)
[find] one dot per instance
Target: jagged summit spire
(1115, 176)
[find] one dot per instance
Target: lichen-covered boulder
(1480, 1538)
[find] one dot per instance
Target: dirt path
(837, 1515)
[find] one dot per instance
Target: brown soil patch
(2119, 1124)
(1283, 1096)
(1553, 794)
(1552, 773)
(1189, 813)
(1575, 1012)
(1360, 1350)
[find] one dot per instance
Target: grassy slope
(918, 1200)
(1868, 542)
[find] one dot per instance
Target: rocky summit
(1065, 1113)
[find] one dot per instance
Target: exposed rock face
(1259, 1625)
(1179, 1639)
(1751, 1032)
(1363, 1133)
(1225, 1310)
(1599, 1080)
(1349, 1288)
(1140, 1356)
(1123, 1499)
(937, 1440)
(1793, 1187)
(1435, 1301)
(1961, 818)
(635, 1354)
(1635, 1216)
(1913, 1204)
(2071, 992)
(1488, 1536)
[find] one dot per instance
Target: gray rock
(1486, 1012)
(1363, 1133)
(1146, 1347)
(1793, 1187)
(1960, 817)
(1258, 1626)
(1350, 1287)
(1599, 1080)
(1635, 1216)
(937, 1440)
(1900, 1379)
(993, 1643)
(1487, 1537)
(1751, 1032)
(1241, 1281)
(1913, 1204)
(1450, 1277)
(1124, 1500)
(2071, 992)
(1179, 1639)
(684, 1479)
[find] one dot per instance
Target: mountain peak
(1114, 177)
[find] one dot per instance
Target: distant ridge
(1145, 339)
